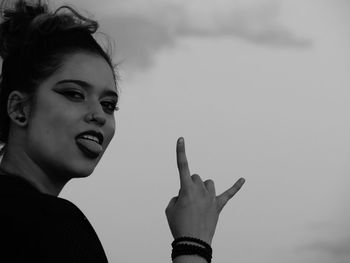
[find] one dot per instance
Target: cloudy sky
(258, 89)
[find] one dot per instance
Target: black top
(37, 227)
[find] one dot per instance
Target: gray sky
(258, 89)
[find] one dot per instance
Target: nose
(96, 114)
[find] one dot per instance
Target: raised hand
(195, 211)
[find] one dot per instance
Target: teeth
(90, 137)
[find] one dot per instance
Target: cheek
(53, 129)
(109, 131)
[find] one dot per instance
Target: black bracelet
(187, 249)
(192, 239)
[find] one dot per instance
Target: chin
(82, 171)
(76, 168)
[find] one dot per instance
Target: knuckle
(209, 182)
(196, 177)
(199, 186)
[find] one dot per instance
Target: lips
(89, 146)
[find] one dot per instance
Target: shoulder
(37, 205)
(37, 227)
(31, 213)
(40, 226)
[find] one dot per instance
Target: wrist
(191, 250)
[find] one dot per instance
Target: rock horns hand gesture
(195, 211)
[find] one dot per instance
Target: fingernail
(181, 140)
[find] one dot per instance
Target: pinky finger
(228, 194)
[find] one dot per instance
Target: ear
(16, 108)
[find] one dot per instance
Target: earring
(21, 118)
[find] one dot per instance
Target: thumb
(171, 203)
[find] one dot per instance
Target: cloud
(141, 33)
(142, 28)
(139, 38)
(258, 23)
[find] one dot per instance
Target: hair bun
(16, 19)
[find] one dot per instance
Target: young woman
(58, 94)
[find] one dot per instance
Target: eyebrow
(87, 86)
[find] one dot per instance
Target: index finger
(182, 164)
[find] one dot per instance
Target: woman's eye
(110, 106)
(74, 94)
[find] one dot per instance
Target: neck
(18, 163)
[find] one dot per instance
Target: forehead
(90, 68)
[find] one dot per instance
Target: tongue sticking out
(89, 145)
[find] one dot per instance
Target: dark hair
(33, 45)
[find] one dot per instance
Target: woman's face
(63, 106)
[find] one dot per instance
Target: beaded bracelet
(192, 239)
(187, 249)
